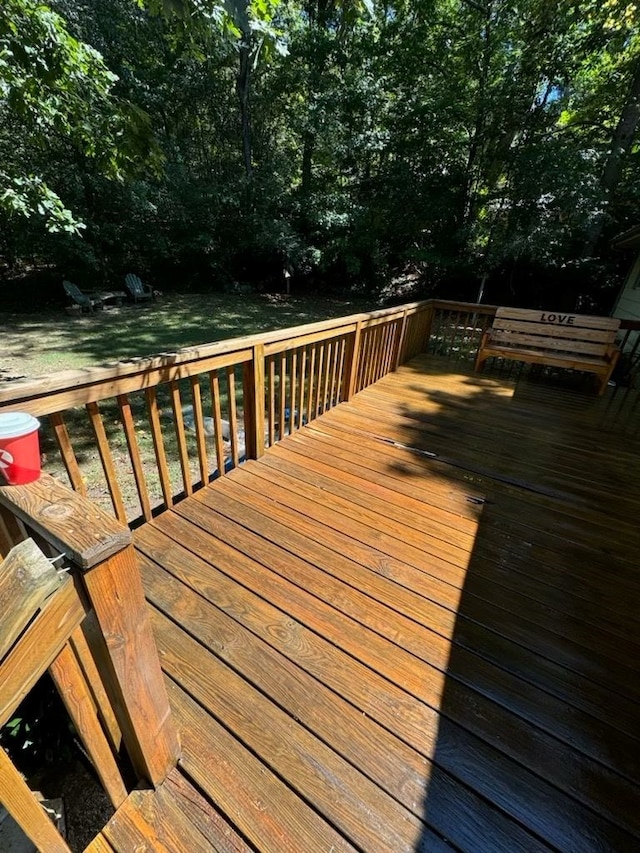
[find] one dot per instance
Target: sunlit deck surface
(413, 625)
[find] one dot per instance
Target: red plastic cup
(19, 448)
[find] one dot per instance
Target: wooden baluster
(334, 373)
(293, 380)
(327, 375)
(216, 410)
(253, 391)
(393, 345)
(382, 353)
(383, 339)
(341, 369)
(378, 341)
(107, 461)
(198, 417)
(158, 446)
(301, 388)
(390, 347)
(321, 359)
(72, 687)
(453, 326)
(178, 419)
(134, 454)
(312, 374)
(282, 386)
(369, 356)
(233, 417)
(362, 363)
(272, 400)
(353, 361)
(66, 451)
(399, 357)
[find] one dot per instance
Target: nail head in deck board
(71, 523)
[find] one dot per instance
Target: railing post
(253, 400)
(101, 548)
(353, 361)
(129, 665)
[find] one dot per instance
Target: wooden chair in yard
(96, 644)
(86, 301)
(137, 289)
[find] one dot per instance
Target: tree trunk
(620, 144)
(243, 87)
(307, 161)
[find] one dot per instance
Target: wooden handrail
(64, 389)
(235, 396)
(72, 525)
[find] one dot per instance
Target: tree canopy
(354, 141)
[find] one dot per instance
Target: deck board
(411, 625)
(173, 817)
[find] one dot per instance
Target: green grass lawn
(33, 345)
(36, 344)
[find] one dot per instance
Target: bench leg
(480, 360)
(603, 381)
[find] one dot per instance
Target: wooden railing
(457, 327)
(139, 435)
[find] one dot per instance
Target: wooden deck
(411, 626)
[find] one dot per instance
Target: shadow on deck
(410, 626)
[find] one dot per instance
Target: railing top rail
(470, 307)
(72, 524)
(47, 394)
(66, 387)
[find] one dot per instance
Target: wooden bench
(573, 341)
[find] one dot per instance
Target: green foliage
(348, 139)
(56, 96)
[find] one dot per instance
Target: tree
(54, 90)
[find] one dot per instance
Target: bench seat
(571, 341)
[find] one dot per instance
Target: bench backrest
(548, 330)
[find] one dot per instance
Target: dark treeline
(459, 144)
